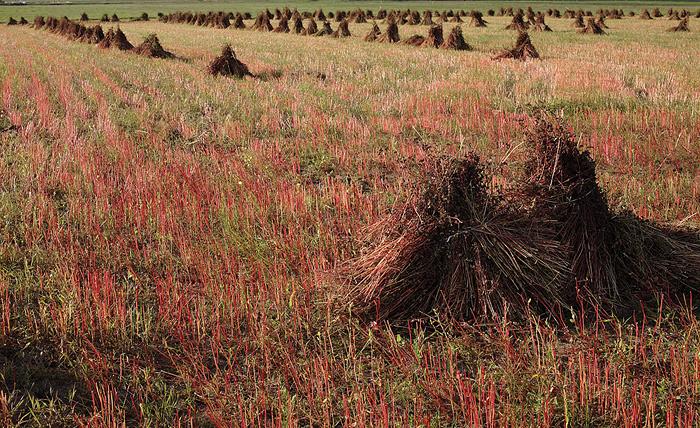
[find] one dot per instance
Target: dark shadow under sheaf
(267, 76)
(29, 369)
(6, 125)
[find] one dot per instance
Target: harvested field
(357, 233)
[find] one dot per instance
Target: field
(171, 242)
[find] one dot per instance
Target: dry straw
(227, 64)
(373, 34)
(455, 41)
(152, 48)
(523, 50)
(549, 243)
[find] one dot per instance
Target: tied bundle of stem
(262, 22)
(578, 21)
(152, 48)
(391, 35)
(96, 35)
(562, 185)
(238, 23)
(457, 249)
(227, 64)
(343, 30)
(326, 30)
(89, 33)
(115, 39)
(297, 25)
(518, 23)
(550, 243)
(311, 28)
(373, 34)
(523, 50)
(39, 22)
(616, 259)
(591, 27)
(681, 27)
(414, 40)
(455, 41)
(540, 25)
(282, 26)
(600, 21)
(435, 37)
(477, 19)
